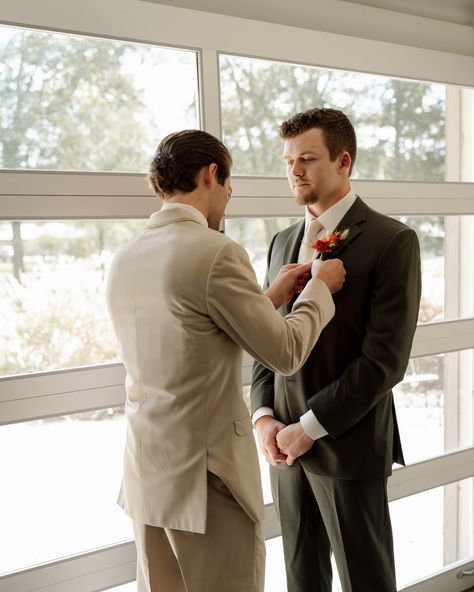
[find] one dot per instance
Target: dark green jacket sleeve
(262, 393)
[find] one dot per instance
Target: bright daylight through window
(81, 104)
(58, 93)
(73, 464)
(400, 124)
(52, 306)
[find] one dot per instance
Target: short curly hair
(338, 131)
(180, 156)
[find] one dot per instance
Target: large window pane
(447, 259)
(60, 481)
(432, 529)
(400, 124)
(255, 234)
(434, 405)
(52, 305)
(432, 236)
(77, 103)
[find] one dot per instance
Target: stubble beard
(306, 199)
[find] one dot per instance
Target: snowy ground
(60, 481)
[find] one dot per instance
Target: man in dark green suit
(330, 431)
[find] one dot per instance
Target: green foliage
(58, 322)
(56, 317)
(67, 103)
(430, 231)
(399, 124)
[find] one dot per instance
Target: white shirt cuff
(311, 425)
(260, 412)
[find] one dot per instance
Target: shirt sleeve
(311, 426)
(260, 412)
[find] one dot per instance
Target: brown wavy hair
(338, 131)
(180, 156)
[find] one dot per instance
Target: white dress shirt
(329, 221)
(190, 209)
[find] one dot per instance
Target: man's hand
(332, 272)
(293, 441)
(290, 280)
(267, 429)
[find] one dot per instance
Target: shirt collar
(331, 217)
(190, 209)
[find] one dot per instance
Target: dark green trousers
(348, 517)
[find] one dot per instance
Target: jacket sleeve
(262, 390)
(238, 306)
(386, 347)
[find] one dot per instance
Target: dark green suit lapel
(290, 254)
(351, 222)
(293, 243)
(352, 219)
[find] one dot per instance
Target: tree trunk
(18, 266)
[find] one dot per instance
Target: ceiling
(442, 25)
(460, 12)
(304, 13)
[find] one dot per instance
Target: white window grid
(46, 195)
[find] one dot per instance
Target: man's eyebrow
(307, 153)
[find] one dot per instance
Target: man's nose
(297, 170)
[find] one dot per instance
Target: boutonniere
(331, 244)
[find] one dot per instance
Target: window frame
(59, 195)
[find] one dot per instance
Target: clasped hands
(281, 443)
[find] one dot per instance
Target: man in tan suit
(184, 301)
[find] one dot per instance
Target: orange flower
(331, 243)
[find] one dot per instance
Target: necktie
(307, 253)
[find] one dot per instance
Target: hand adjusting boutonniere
(331, 244)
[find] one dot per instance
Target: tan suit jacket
(184, 301)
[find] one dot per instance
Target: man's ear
(345, 161)
(209, 174)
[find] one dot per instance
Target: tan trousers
(229, 557)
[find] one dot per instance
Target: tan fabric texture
(230, 556)
(184, 301)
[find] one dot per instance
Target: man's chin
(306, 199)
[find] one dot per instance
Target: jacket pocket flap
(243, 425)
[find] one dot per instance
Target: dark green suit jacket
(361, 354)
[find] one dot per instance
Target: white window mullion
(455, 578)
(467, 134)
(210, 94)
(34, 396)
(45, 196)
(88, 572)
(447, 336)
(418, 477)
(453, 159)
(31, 396)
